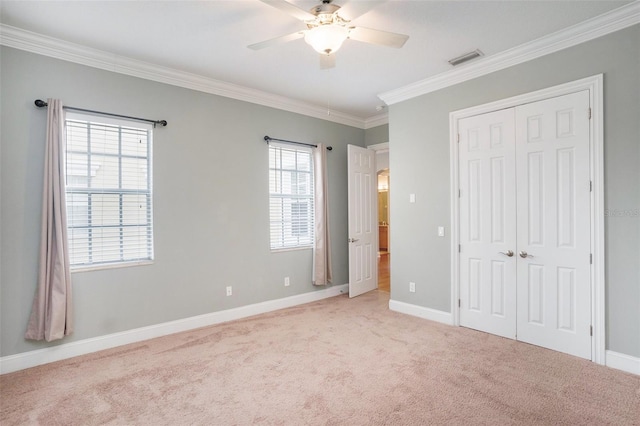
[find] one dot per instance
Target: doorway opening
(368, 195)
(383, 230)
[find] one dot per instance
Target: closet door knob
(523, 254)
(508, 253)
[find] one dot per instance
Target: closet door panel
(553, 205)
(487, 223)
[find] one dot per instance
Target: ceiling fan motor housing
(326, 14)
(327, 8)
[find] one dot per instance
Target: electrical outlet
(440, 231)
(229, 291)
(412, 198)
(286, 282)
(412, 287)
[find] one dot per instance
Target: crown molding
(376, 120)
(590, 29)
(29, 41)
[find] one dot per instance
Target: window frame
(101, 120)
(281, 244)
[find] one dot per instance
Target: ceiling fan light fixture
(326, 39)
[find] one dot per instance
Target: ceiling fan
(329, 25)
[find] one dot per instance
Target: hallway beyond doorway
(384, 283)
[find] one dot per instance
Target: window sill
(282, 250)
(90, 268)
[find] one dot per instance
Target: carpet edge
(24, 360)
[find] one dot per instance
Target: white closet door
(488, 223)
(553, 204)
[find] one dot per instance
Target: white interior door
(363, 220)
(488, 223)
(525, 188)
(554, 239)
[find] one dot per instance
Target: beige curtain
(322, 272)
(51, 314)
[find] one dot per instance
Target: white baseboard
(29, 359)
(422, 312)
(623, 362)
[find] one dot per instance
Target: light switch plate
(440, 231)
(412, 198)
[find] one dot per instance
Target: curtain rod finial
(329, 148)
(40, 103)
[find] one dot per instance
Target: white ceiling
(209, 38)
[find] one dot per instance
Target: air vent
(466, 57)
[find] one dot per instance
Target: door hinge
(591, 258)
(459, 248)
(458, 137)
(459, 193)
(590, 186)
(589, 113)
(459, 304)
(590, 330)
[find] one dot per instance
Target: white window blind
(109, 196)
(291, 196)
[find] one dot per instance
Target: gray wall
(419, 159)
(210, 194)
(376, 135)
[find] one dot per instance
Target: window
(290, 196)
(108, 188)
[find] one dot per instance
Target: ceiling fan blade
(383, 38)
(291, 9)
(327, 61)
(277, 40)
(354, 9)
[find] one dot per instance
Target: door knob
(523, 254)
(508, 253)
(353, 240)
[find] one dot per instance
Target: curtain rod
(269, 138)
(40, 104)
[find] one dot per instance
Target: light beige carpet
(334, 362)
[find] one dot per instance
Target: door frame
(594, 85)
(383, 148)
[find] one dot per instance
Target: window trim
(310, 197)
(99, 119)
